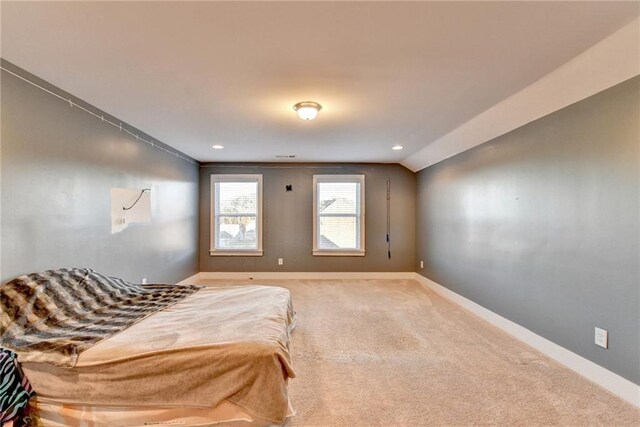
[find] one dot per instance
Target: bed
(214, 355)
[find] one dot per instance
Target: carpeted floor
(392, 353)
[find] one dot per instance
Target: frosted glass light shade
(307, 110)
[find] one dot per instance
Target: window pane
(338, 198)
(236, 232)
(339, 232)
(339, 221)
(236, 197)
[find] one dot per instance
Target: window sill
(338, 253)
(235, 253)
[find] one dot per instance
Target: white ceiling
(203, 73)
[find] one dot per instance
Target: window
(236, 215)
(338, 215)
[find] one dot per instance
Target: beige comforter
(220, 343)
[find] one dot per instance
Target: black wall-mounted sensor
(289, 187)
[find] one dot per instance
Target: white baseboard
(274, 275)
(190, 280)
(610, 381)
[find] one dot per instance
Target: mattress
(220, 344)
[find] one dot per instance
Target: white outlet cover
(602, 338)
(421, 264)
(280, 261)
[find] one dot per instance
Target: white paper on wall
(140, 211)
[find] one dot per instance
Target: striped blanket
(55, 315)
(15, 390)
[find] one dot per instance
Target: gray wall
(542, 226)
(288, 219)
(58, 165)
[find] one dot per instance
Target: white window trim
(316, 226)
(213, 251)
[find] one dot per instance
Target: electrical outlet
(421, 264)
(280, 261)
(602, 338)
(144, 280)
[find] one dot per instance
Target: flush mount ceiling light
(307, 110)
(217, 147)
(397, 147)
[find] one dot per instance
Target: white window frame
(213, 251)
(318, 179)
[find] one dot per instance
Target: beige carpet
(392, 353)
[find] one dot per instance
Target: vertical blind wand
(389, 218)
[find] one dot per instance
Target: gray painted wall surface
(57, 168)
(542, 226)
(288, 219)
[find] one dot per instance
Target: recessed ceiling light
(307, 110)
(217, 147)
(397, 147)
